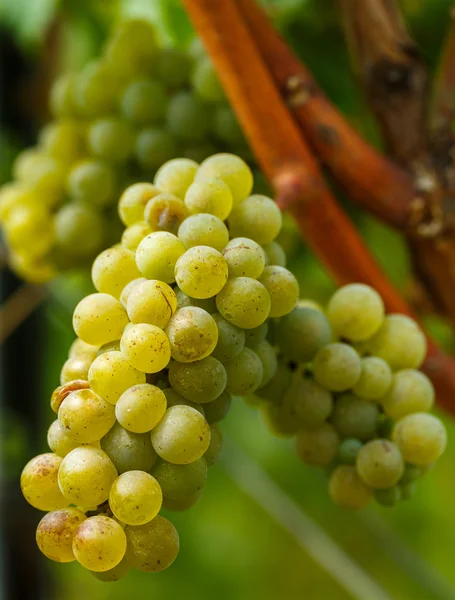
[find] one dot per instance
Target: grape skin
(375, 378)
(135, 498)
(231, 339)
(302, 332)
(203, 230)
(421, 438)
(232, 170)
(99, 543)
(76, 367)
(133, 201)
(113, 269)
(283, 289)
(380, 464)
(354, 417)
(201, 381)
(211, 196)
(347, 489)
(257, 218)
(337, 367)
(192, 334)
(317, 446)
(179, 482)
(151, 301)
(39, 482)
(157, 255)
(111, 374)
(201, 272)
(165, 212)
(244, 257)
(140, 408)
(152, 547)
(244, 302)
(146, 347)
(244, 373)
(85, 417)
(55, 531)
(176, 176)
(411, 391)
(127, 450)
(215, 449)
(99, 319)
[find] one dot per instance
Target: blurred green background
(265, 528)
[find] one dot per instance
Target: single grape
(215, 449)
(144, 101)
(231, 339)
(29, 229)
(61, 96)
(133, 201)
(140, 408)
(388, 497)
(187, 117)
(81, 348)
(93, 89)
(146, 347)
(79, 230)
(204, 230)
(55, 532)
(129, 451)
(347, 489)
(225, 126)
(201, 272)
(99, 319)
(135, 498)
(355, 417)
(85, 417)
(244, 373)
(205, 82)
(192, 334)
(275, 390)
(245, 258)
(75, 368)
(257, 218)
(421, 438)
(201, 381)
(155, 146)
(375, 378)
(157, 255)
(134, 234)
(114, 574)
(233, 171)
(244, 302)
(152, 547)
(113, 269)
(109, 347)
(111, 374)
(132, 47)
(91, 181)
(173, 67)
(318, 446)
(218, 409)
(153, 302)
(39, 482)
(411, 473)
(301, 333)
(337, 367)
(165, 212)
(59, 441)
(110, 139)
(311, 403)
(62, 139)
(61, 392)
(380, 464)
(274, 254)
(128, 289)
(411, 392)
(175, 176)
(211, 196)
(208, 304)
(173, 399)
(99, 543)
(280, 420)
(180, 482)
(348, 451)
(283, 289)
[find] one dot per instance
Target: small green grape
(165, 212)
(141, 407)
(173, 399)
(111, 374)
(347, 489)
(192, 334)
(135, 498)
(113, 269)
(99, 319)
(257, 217)
(301, 333)
(388, 497)
(55, 532)
(244, 373)
(375, 378)
(205, 82)
(231, 339)
(187, 117)
(232, 170)
(39, 482)
(311, 403)
(134, 234)
(127, 450)
(268, 357)
(283, 289)
(144, 101)
(354, 417)
(92, 182)
(380, 464)
(180, 482)
(157, 255)
(133, 201)
(337, 367)
(411, 392)
(203, 230)
(152, 302)
(211, 196)
(201, 381)
(215, 449)
(99, 543)
(274, 254)
(146, 347)
(111, 139)
(318, 446)
(421, 438)
(244, 302)
(75, 368)
(79, 230)
(218, 409)
(245, 258)
(85, 417)
(152, 547)
(348, 451)
(201, 272)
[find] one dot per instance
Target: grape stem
(249, 57)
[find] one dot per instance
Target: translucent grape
(29, 228)
(99, 319)
(60, 393)
(337, 367)
(215, 449)
(153, 302)
(113, 269)
(311, 403)
(244, 373)
(128, 289)
(59, 441)
(62, 139)
(132, 47)
(55, 532)
(140, 408)
(301, 333)
(218, 409)
(244, 302)
(421, 438)
(99, 543)
(85, 476)
(347, 489)
(348, 451)
(192, 333)
(182, 436)
(129, 451)
(110, 139)
(201, 272)
(91, 181)
(411, 392)
(61, 96)
(78, 230)
(85, 417)
(157, 255)
(114, 574)
(208, 304)
(165, 212)
(111, 374)
(146, 347)
(79, 348)
(257, 217)
(187, 117)
(180, 482)
(283, 289)
(280, 420)
(375, 378)
(133, 201)
(204, 230)
(134, 234)
(400, 342)
(173, 398)
(231, 339)
(205, 82)
(355, 417)
(175, 176)
(144, 101)
(173, 67)
(211, 196)
(274, 254)
(201, 381)
(152, 547)
(39, 482)
(75, 368)
(155, 146)
(233, 171)
(380, 464)
(245, 258)
(318, 446)
(109, 347)
(268, 357)
(135, 498)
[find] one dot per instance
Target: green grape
(62, 140)
(180, 505)
(85, 417)
(114, 574)
(144, 101)
(311, 403)
(208, 304)
(127, 450)
(133, 201)
(78, 230)
(380, 464)
(154, 146)
(245, 258)
(233, 171)
(302, 333)
(274, 254)
(180, 482)
(215, 449)
(256, 335)
(411, 473)
(94, 87)
(318, 446)
(55, 532)
(110, 139)
(244, 373)
(173, 398)
(152, 547)
(140, 408)
(375, 378)
(201, 272)
(91, 181)
(205, 82)
(226, 127)
(411, 392)
(151, 301)
(134, 234)
(244, 302)
(146, 347)
(80, 348)
(347, 489)
(30, 229)
(211, 196)
(337, 367)
(75, 368)
(157, 255)
(257, 217)
(356, 312)
(231, 339)
(348, 451)
(182, 436)
(132, 48)
(61, 96)
(280, 420)
(60, 393)
(45, 175)
(33, 270)
(276, 388)
(99, 543)
(111, 374)
(269, 360)
(201, 381)
(204, 230)
(59, 441)
(283, 289)
(39, 482)
(173, 67)
(355, 417)
(165, 212)
(113, 269)
(192, 334)
(187, 117)
(135, 498)
(14, 195)
(388, 497)
(128, 289)
(400, 342)
(175, 176)
(421, 438)
(218, 409)
(109, 347)
(99, 319)
(85, 476)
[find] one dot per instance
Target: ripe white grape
(152, 302)
(99, 319)
(99, 543)
(55, 532)
(135, 498)
(157, 254)
(201, 272)
(257, 218)
(421, 438)
(146, 347)
(111, 374)
(113, 269)
(232, 170)
(39, 482)
(140, 408)
(244, 302)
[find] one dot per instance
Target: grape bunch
(114, 122)
(348, 387)
(178, 324)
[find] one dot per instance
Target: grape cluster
(116, 121)
(178, 324)
(348, 387)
